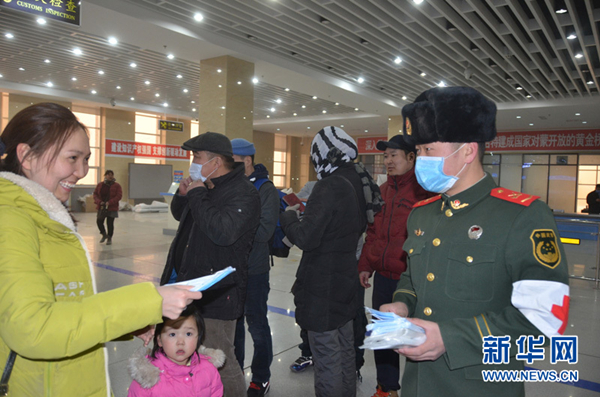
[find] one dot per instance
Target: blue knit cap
(242, 147)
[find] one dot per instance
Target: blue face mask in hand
(196, 171)
(430, 173)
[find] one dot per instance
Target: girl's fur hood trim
(147, 375)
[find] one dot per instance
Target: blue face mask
(430, 173)
(196, 171)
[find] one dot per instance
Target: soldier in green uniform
(482, 260)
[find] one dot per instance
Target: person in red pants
(106, 196)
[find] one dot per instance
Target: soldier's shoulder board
(427, 201)
(514, 197)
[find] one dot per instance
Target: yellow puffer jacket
(50, 313)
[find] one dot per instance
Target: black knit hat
(209, 142)
(450, 114)
(397, 142)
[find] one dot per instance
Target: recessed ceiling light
(314, 97)
(577, 114)
(278, 100)
(295, 114)
(423, 74)
(133, 64)
(219, 70)
(157, 95)
(255, 80)
(518, 117)
(519, 88)
(324, 111)
(22, 69)
(530, 123)
(9, 35)
(590, 82)
(584, 122)
(579, 55)
(337, 104)
(441, 84)
(360, 80)
(170, 56)
(132, 99)
(278, 129)
(165, 104)
(404, 98)
(366, 130)
(94, 92)
(528, 96)
(223, 107)
(41, 21)
(268, 116)
(49, 84)
(193, 109)
(185, 90)
(179, 76)
(308, 128)
(118, 87)
(192, 101)
(342, 126)
(364, 42)
(398, 60)
(198, 17)
(147, 82)
(272, 110)
(100, 71)
(418, 1)
(356, 109)
(303, 106)
(287, 89)
(77, 51)
(571, 37)
(73, 78)
(113, 41)
(220, 86)
(46, 61)
(239, 82)
(1, 76)
(250, 37)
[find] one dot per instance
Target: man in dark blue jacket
(257, 292)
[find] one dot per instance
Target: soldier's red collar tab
(514, 197)
(427, 201)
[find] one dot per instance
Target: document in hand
(204, 283)
(390, 331)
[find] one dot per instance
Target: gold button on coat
(437, 242)
(427, 311)
(411, 251)
(449, 213)
(430, 277)
(469, 259)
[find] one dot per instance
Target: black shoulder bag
(6, 374)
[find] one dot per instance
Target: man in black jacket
(257, 293)
(593, 201)
(218, 211)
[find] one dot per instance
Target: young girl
(177, 365)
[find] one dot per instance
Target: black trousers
(110, 223)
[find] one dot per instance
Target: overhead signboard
(369, 145)
(61, 10)
(170, 125)
(545, 141)
(120, 148)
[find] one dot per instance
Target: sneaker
(258, 389)
(109, 241)
(381, 393)
(301, 363)
(104, 237)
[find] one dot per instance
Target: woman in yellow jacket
(50, 312)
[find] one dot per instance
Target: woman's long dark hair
(191, 311)
(44, 127)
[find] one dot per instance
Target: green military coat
(476, 263)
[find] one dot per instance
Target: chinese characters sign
(576, 140)
(120, 148)
(170, 125)
(62, 10)
(369, 145)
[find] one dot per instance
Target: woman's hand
(146, 334)
(176, 298)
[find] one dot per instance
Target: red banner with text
(544, 141)
(369, 145)
(119, 148)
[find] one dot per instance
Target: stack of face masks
(390, 331)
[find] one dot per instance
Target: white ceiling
(319, 48)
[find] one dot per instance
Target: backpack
(276, 245)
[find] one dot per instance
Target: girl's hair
(44, 127)
(191, 311)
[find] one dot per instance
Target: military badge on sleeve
(545, 247)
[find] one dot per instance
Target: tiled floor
(138, 254)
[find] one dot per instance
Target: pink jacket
(160, 376)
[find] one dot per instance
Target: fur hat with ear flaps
(450, 114)
(147, 375)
